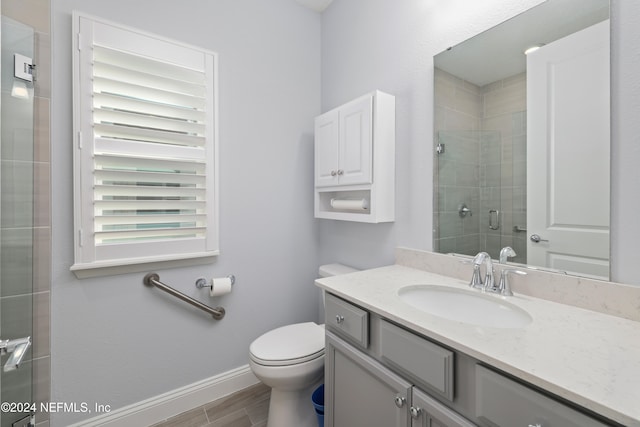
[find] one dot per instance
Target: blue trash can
(317, 398)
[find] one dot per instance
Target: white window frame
(95, 255)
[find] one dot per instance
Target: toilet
(290, 360)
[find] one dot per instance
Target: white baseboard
(159, 408)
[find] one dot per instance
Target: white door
(326, 149)
(356, 133)
(568, 153)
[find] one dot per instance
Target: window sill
(115, 267)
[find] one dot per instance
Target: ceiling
(317, 5)
(498, 52)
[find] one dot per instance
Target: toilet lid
(288, 345)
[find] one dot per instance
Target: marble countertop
(586, 357)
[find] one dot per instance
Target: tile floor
(246, 408)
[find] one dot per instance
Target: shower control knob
(339, 319)
(399, 401)
(536, 238)
(415, 412)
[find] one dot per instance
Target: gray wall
(117, 342)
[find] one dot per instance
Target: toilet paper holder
(202, 282)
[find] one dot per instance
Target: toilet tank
(329, 270)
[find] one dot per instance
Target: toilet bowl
(290, 360)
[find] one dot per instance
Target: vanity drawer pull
(339, 319)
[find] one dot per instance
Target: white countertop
(586, 357)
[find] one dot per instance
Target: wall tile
(17, 194)
(42, 195)
(41, 324)
(41, 140)
(15, 264)
(42, 385)
(41, 259)
(13, 310)
(42, 61)
(35, 13)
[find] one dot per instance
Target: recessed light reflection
(533, 48)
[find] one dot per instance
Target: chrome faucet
(504, 287)
(506, 252)
(488, 284)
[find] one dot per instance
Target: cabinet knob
(334, 173)
(340, 172)
(339, 319)
(415, 412)
(399, 401)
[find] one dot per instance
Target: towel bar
(152, 279)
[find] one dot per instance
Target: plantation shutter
(145, 161)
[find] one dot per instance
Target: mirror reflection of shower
(481, 163)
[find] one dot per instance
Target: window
(145, 117)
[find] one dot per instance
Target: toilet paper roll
(220, 286)
(350, 204)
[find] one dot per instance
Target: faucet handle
(504, 288)
(476, 280)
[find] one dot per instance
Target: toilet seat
(288, 345)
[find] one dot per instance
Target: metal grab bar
(152, 279)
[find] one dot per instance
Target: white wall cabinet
(355, 160)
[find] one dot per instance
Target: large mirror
(522, 140)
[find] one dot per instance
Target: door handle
(494, 225)
(537, 239)
(18, 348)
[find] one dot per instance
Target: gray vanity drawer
(503, 402)
(347, 320)
(427, 364)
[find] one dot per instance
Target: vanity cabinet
(355, 160)
(361, 392)
(380, 374)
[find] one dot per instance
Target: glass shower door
(469, 192)
(16, 223)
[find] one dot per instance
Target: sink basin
(465, 306)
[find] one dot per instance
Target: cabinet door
(427, 412)
(359, 392)
(356, 140)
(326, 149)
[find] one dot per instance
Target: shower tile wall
(484, 165)
(35, 238)
(458, 106)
